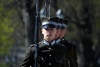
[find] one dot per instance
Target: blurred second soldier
(57, 37)
(71, 48)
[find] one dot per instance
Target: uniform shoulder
(60, 44)
(71, 43)
(40, 44)
(33, 46)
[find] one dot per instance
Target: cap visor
(49, 26)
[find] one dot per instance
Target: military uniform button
(49, 63)
(50, 55)
(42, 58)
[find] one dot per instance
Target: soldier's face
(63, 32)
(49, 33)
(58, 34)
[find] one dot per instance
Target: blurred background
(17, 25)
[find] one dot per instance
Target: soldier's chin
(48, 39)
(48, 35)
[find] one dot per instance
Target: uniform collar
(48, 43)
(58, 40)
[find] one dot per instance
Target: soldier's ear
(66, 31)
(56, 31)
(42, 30)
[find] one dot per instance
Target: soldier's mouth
(48, 35)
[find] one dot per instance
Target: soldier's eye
(62, 28)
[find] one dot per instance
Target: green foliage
(97, 14)
(3, 65)
(6, 26)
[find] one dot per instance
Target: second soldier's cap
(64, 23)
(60, 23)
(49, 22)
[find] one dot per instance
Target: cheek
(63, 32)
(55, 32)
(59, 31)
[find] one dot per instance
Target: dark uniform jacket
(53, 55)
(71, 53)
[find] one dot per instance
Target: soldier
(50, 53)
(71, 48)
(57, 37)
